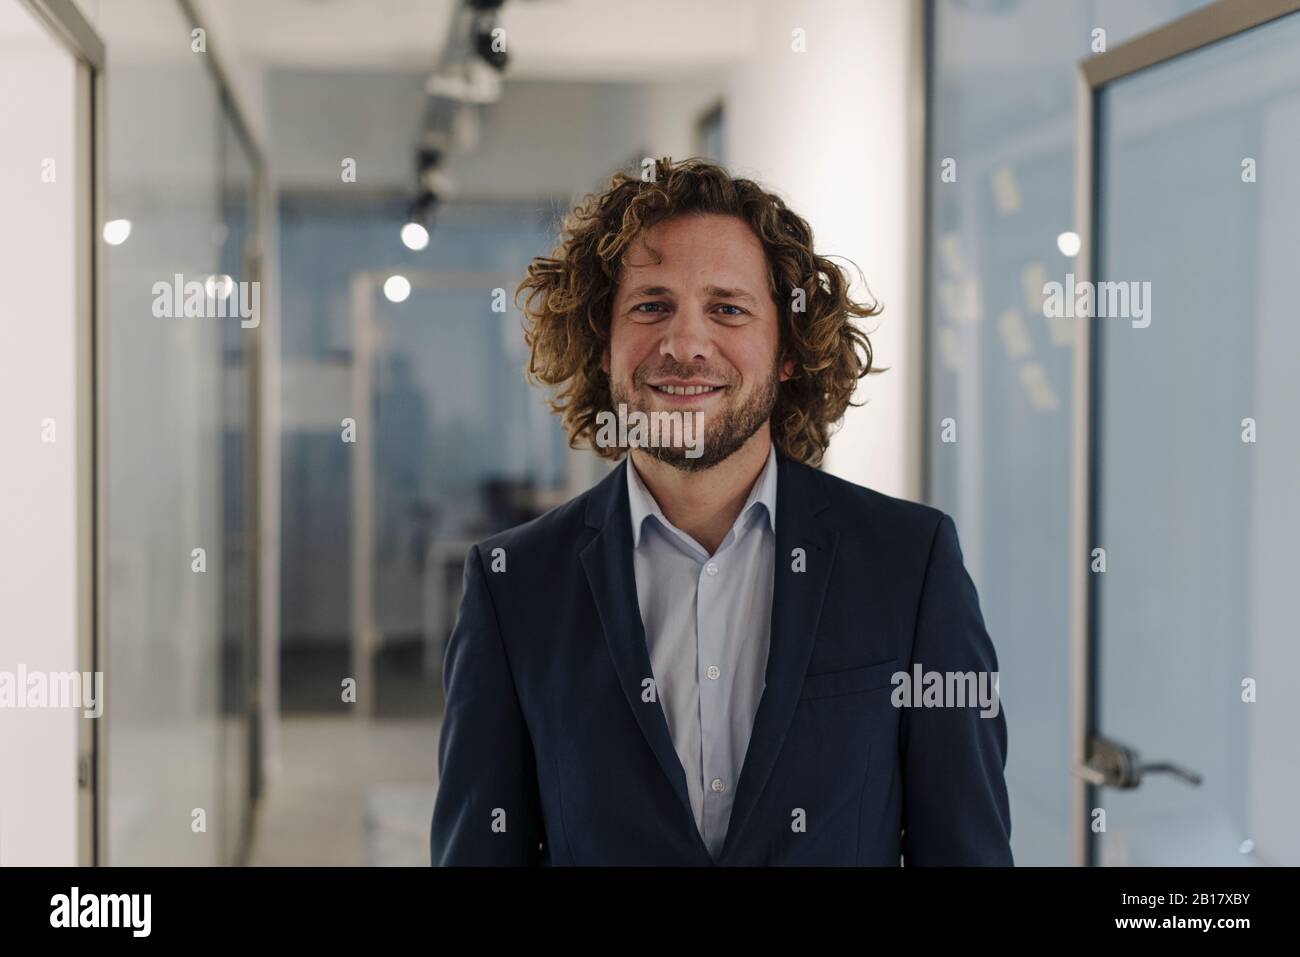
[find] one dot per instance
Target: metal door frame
(79, 37)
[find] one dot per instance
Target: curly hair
(567, 310)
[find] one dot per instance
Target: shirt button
(711, 568)
(718, 786)
(713, 672)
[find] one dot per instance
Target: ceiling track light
(419, 221)
(488, 42)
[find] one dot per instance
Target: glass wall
(998, 429)
(176, 416)
(446, 371)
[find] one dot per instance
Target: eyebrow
(720, 291)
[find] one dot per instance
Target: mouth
(685, 390)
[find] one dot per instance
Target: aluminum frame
(68, 24)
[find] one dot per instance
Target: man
(691, 663)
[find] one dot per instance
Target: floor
(351, 791)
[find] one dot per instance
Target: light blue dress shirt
(708, 622)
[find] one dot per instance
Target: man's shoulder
(553, 530)
(852, 501)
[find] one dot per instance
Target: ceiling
(591, 40)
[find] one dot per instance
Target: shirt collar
(642, 504)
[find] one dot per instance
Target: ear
(787, 370)
(604, 361)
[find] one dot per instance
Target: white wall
(828, 130)
(38, 391)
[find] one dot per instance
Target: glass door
(1192, 747)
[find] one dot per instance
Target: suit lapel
(797, 598)
(607, 559)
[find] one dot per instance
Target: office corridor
(267, 379)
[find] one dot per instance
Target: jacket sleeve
(487, 810)
(955, 807)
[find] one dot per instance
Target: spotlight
(397, 288)
(471, 82)
(219, 286)
(427, 157)
(423, 209)
(485, 44)
(415, 236)
(428, 175)
(419, 220)
(116, 231)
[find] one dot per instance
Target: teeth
(687, 389)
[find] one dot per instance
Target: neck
(705, 504)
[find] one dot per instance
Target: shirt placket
(713, 680)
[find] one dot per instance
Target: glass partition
(176, 420)
(1199, 451)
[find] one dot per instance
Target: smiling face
(697, 331)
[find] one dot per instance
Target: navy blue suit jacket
(549, 755)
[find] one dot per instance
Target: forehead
(704, 247)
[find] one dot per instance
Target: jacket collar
(643, 505)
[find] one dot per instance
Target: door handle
(1114, 765)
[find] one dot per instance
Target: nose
(687, 335)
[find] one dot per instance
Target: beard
(725, 430)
